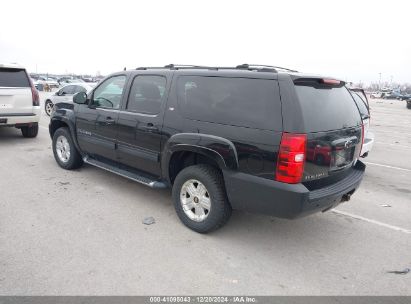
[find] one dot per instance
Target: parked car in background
(407, 99)
(404, 96)
(50, 81)
(64, 81)
(363, 105)
(377, 95)
(392, 95)
(19, 100)
(65, 94)
(221, 138)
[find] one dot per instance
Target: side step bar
(124, 173)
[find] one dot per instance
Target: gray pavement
(81, 232)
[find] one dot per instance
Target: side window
(245, 102)
(80, 89)
(109, 92)
(146, 94)
(67, 90)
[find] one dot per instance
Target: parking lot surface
(81, 233)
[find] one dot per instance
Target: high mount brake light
(291, 158)
(330, 81)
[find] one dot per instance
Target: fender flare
(217, 148)
(66, 116)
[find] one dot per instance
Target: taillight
(291, 158)
(34, 94)
(362, 136)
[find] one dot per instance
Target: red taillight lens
(362, 136)
(291, 158)
(34, 94)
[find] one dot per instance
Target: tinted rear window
(327, 108)
(13, 78)
(245, 102)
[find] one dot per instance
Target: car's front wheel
(48, 107)
(65, 151)
(200, 199)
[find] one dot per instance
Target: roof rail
(262, 67)
(179, 66)
(187, 66)
(245, 66)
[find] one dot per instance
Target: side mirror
(80, 98)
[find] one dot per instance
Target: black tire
(47, 105)
(212, 179)
(408, 105)
(75, 160)
(30, 131)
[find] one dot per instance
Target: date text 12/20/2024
(203, 299)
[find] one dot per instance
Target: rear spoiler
(319, 82)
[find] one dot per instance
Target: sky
(351, 40)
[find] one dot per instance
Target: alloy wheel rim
(195, 200)
(63, 148)
(49, 108)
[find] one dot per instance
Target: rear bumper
(260, 195)
(20, 118)
(368, 143)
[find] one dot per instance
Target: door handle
(149, 127)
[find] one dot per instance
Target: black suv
(256, 138)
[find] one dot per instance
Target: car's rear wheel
(409, 105)
(30, 131)
(200, 199)
(65, 151)
(48, 107)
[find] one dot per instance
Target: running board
(124, 173)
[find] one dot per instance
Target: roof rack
(245, 66)
(180, 66)
(262, 67)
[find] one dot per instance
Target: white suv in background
(19, 100)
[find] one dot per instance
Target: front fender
(217, 148)
(64, 114)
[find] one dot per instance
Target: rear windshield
(16, 78)
(244, 102)
(327, 108)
